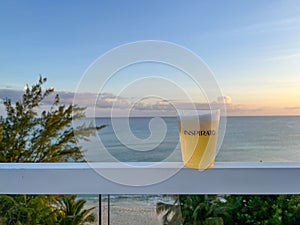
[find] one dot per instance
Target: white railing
(80, 178)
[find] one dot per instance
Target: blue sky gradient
(253, 47)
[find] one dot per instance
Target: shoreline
(125, 212)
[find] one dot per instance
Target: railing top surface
(162, 165)
(83, 178)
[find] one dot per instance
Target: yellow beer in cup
(198, 133)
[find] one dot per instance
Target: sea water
(264, 138)
(107, 147)
(247, 139)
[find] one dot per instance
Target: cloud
(246, 110)
(103, 103)
(16, 95)
(163, 106)
(293, 108)
(240, 108)
(13, 95)
(224, 99)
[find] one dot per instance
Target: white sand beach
(129, 212)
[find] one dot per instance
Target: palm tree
(72, 212)
(193, 209)
(171, 212)
(26, 209)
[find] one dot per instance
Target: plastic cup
(198, 133)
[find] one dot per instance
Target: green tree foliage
(254, 209)
(231, 210)
(193, 210)
(30, 134)
(170, 212)
(72, 212)
(290, 209)
(26, 209)
(200, 209)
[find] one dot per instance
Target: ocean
(247, 139)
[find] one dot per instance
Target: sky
(252, 48)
